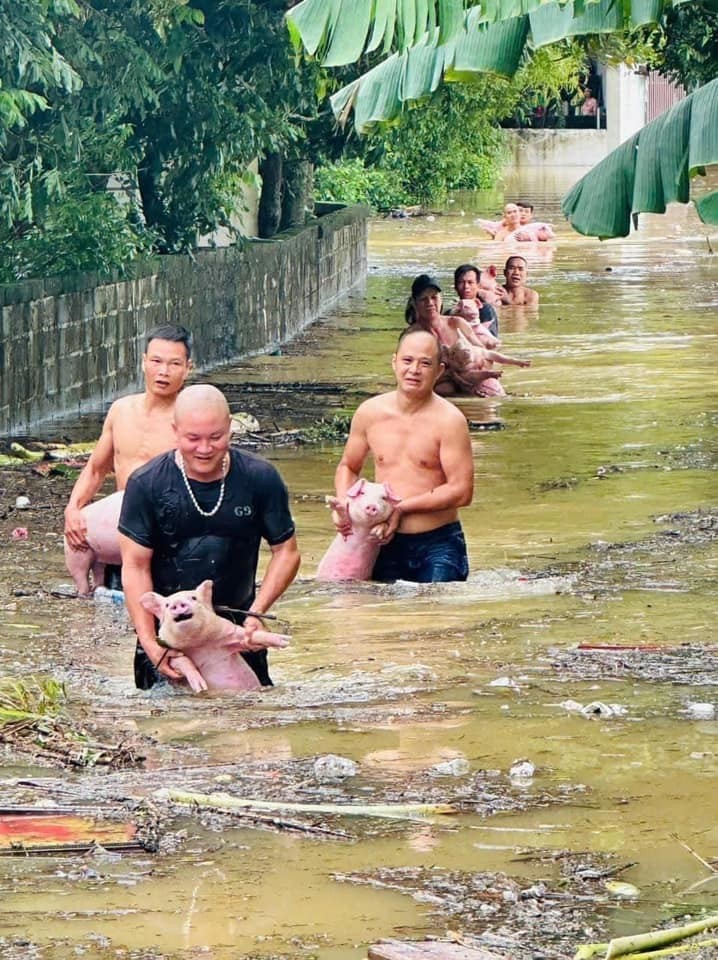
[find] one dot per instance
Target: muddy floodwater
(581, 644)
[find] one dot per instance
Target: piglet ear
(154, 603)
(204, 591)
(390, 495)
(492, 270)
(356, 488)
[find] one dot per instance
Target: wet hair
(413, 328)
(175, 334)
(525, 205)
(515, 256)
(466, 268)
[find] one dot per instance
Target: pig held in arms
(353, 557)
(189, 624)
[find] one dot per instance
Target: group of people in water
(468, 332)
(195, 508)
(518, 223)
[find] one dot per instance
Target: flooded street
(591, 530)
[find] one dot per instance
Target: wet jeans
(436, 556)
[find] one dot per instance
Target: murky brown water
(613, 425)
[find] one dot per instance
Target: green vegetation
(30, 704)
(126, 126)
(451, 140)
(173, 98)
(352, 181)
(686, 48)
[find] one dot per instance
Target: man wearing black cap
(421, 448)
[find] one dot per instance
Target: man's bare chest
(404, 446)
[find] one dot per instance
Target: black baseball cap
(424, 282)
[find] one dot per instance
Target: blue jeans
(436, 556)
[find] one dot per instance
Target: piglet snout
(180, 609)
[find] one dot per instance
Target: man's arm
(281, 571)
(136, 580)
(87, 484)
(457, 465)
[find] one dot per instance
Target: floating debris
(332, 767)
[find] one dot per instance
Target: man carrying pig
(137, 427)
(421, 449)
(199, 513)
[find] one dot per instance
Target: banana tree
(651, 169)
(427, 42)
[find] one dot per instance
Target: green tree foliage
(450, 140)
(90, 232)
(352, 181)
(687, 45)
(450, 143)
(178, 96)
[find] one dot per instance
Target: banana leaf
(650, 170)
(440, 40)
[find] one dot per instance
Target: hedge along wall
(73, 344)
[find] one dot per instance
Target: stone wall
(529, 149)
(73, 344)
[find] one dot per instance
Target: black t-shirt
(489, 317)
(157, 513)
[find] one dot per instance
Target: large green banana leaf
(437, 40)
(651, 169)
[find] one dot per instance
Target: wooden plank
(44, 830)
(426, 950)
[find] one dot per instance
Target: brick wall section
(75, 343)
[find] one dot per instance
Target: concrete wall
(626, 104)
(624, 94)
(72, 344)
(555, 148)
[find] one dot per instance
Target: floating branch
(222, 801)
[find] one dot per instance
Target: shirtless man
(137, 427)
(420, 445)
(517, 293)
(530, 229)
(511, 222)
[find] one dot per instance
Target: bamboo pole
(223, 801)
(671, 951)
(640, 943)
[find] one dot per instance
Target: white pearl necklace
(218, 504)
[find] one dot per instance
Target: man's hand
(340, 516)
(76, 529)
(384, 532)
(249, 626)
(165, 667)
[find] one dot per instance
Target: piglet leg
(191, 674)
(260, 637)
